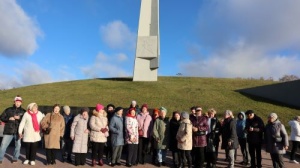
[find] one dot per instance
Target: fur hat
(185, 115)
(30, 106)
(18, 98)
(273, 115)
(67, 108)
(99, 107)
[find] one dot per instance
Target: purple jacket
(201, 123)
(145, 123)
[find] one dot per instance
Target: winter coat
(201, 123)
(174, 126)
(185, 135)
(26, 127)
(11, 126)
(295, 130)
(97, 122)
(52, 140)
(272, 132)
(241, 125)
(145, 123)
(255, 137)
(161, 133)
(116, 126)
(213, 135)
(131, 129)
(68, 123)
(78, 128)
(229, 134)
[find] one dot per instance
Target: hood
(186, 121)
(97, 114)
(241, 113)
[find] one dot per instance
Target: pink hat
(99, 107)
(18, 98)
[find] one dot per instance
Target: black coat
(174, 126)
(11, 126)
(229, 134)
(255, 137)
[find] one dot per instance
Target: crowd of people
(192, 137)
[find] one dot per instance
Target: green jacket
(161, 133)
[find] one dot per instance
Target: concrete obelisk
(147, 49)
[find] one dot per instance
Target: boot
(94, 162)
(100, 162)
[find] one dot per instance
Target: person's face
(177, 116)
(120, 112)
(241, 117)
(162, 114)
(271, 119)
(211, 115)
(56, 109)
(250, 116)
(18, 104)
(35, 109)
(132, 112)
(67, 112)
(193, 111)
(198, 111)
(110, 109)
(133, 104)
(144, 109)
(85, 114)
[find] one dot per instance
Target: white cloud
(107, 66)
(117, 35)
(249, 38)
(18, 32)
(25, 74)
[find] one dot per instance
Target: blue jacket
(241, 125)
(116, 127)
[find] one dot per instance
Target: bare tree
(287, 78)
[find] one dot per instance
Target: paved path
(40, 161)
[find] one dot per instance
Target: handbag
(48, 129)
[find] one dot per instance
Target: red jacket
(201, 123)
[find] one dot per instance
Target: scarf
(35, 122)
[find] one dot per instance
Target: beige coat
(52, 140)
(184, 135)
(97, 122)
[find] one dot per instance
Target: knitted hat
(163, 109)
(273, 115)
(84, 109)
(18, 98)
(99, 107)
(144, 105)
(185, 115)
(30, 106)
(249, 112)
(118, 109)
(133, 102)
(67, 108)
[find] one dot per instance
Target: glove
(103, 130)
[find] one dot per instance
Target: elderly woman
(29, 131)
(80, 134)
(174, 126)
(132, 137)
(55, 121)
(99, 133)
(161, 136)
(276, 140)
(295, 137)
(185, 139)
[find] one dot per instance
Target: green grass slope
(174, 93)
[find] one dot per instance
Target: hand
(229, 143)
(20, 136)
(251, 129)
(17, 117)
(103, 130)
(72, 137)
(286, 147)
(195, 129)
(87, 131)
(12, 118)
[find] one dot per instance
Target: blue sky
(44, 41)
